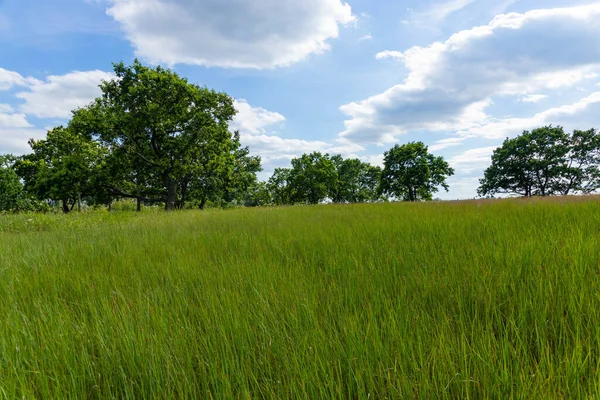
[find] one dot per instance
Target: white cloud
(368, 36)
(581, 112)
(10, 119)
(460, 188)
(230, 33)
(58, 95)
(515, 54)
(14, 140)
(13, 120)
(533, 98)
(394, 55)
(438, 12)
(253, 120)
(10, 79)
(472, 159)
(445, 143)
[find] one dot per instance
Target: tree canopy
(411, 173)
(316, 177)
(543, 162)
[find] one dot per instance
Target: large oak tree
(168, 137)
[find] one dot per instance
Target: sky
(348, 77)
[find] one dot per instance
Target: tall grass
(471, 300)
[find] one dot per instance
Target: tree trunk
(171, 195)
(139, 205)
(78, 202)
(202, 202)
(65, 206)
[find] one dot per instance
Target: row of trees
(154, 137)
(410, 173)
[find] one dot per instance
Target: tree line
(154, 137)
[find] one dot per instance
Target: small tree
(63, 167)
(411, 173)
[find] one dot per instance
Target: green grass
(462, 300)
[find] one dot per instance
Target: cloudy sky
(351, 77)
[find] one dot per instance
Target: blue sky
(351, 77)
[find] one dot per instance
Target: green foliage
(169, 137)
(258, 194)
(279, 186)
(357, 181)
(543, 162)
(316, 177)
(411, 173)
(11, 189)
(449, 300)
(63, 167)
(312, 178)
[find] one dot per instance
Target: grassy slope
(441, 300)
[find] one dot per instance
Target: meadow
(470, 300)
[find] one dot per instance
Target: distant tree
(258, 194)
(544, 162)
(278, 186)
(411, 173)
(63, 167)
(11, 189)
(357, 181)
(312, 178)
(170, 137)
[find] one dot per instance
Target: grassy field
(482, 299)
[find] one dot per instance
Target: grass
(486, 299)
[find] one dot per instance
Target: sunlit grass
(486, 299)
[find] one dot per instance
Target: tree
(170, 135)
(258, 194)
(279, 186)
(227, 180)
(411, 173)
(11, 189)
(63, 167)
(312, 178)
(357, 181)
(544, 162)
(582, 172)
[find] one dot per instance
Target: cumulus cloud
(14, 140)
(13, 120)
(10, 79)
(58, 95)
(533, 98)
(230, 33)
(515, 54)
(472, 159)
(581, 114)
(389, 54)
(254, 120)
